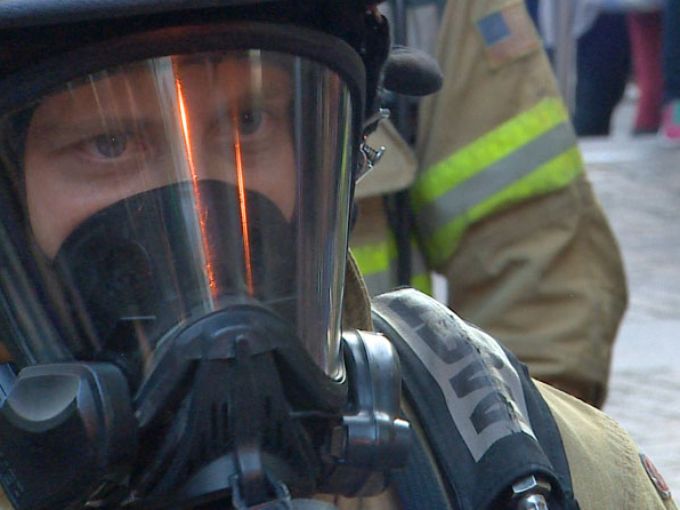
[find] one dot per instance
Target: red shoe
(670, 123)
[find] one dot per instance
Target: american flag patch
(508, 34)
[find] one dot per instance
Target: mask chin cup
(291, 429)
(242, 420)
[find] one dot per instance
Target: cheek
(282, 188)
(275, 177)
(57, 204)
(51, 213)
(272, 175)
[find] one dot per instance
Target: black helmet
(175, 186)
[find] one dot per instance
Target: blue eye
(250, 121)
(111, 145)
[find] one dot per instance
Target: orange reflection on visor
(188, 147)
(241, 189)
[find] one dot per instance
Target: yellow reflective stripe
(495, 178)
(420, 274)
(483, 152)
(422, 282)
(377, 263)
(375, 257)
(548, 177)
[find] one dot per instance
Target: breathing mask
(172, 252)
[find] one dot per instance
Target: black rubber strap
(492, 389)
(417, 485)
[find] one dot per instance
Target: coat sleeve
(502, 205)
(606, 467)
(546, 278)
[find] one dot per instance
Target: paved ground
(638, 183)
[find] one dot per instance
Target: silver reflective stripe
(482, 389)
(495, 178)
(381, 282)
(418, 264)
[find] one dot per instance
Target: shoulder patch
(508, 34)
(655, 476)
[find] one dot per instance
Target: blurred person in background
(601, 57)
(655, 41)
(670, 119)
(529, 255)
(603, 67)
(645, 29)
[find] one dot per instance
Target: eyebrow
(87, 128)
(92, 121)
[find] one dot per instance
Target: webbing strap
(487, 425)
(417, 486)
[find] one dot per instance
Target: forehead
(234, 67)
(230, 77)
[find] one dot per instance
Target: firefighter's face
(142, 127)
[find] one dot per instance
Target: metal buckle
(281, 501)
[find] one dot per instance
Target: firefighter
(179, 327)
(499, 202)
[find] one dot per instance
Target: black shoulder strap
(486, 423)
(418, 485)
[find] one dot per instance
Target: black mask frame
(90, 404)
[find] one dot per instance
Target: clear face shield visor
(155, 192)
